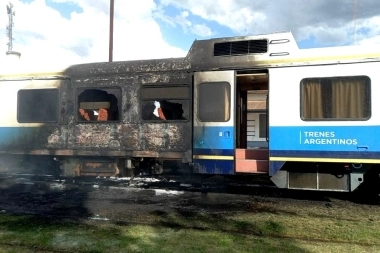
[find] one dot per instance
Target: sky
(61, 32)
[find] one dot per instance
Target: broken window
(98, 104)
(165, 102)
(37, 105)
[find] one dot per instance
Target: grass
(283, 231)
(44, 234)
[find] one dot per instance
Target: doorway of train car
(214, 122)
(252, 154)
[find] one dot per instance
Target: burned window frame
(178, 99)
(327, 98)
(34, 120)
(110, 90)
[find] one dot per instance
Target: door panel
(214, 122)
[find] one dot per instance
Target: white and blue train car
(318, 111)
(322, 118)
(323, 112)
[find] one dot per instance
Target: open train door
(214, 122)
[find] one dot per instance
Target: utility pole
(355, 17)
(111, 30)
(11, 13)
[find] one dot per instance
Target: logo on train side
(324, 138)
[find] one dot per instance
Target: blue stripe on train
(213, 137)
(218, 167)
(325, 154)
(339, 142)
(325, 138)
(214, 140)
(12, 135)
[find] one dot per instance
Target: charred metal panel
(129, 136)
(130, 133)
(201, 55)
(94, 167)
(64, 152)
(148, 137)
(98, 168)
(58, 138)
(153, 78)
(120, 68)
(96, 136)
(131, 100)
(151, 137)
(124, 137)
(177, 137)
(59, 154)
(164, 137)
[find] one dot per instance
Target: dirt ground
(125, 202)
(261, 218)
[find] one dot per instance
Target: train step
(252, 161)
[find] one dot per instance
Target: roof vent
(241, 47)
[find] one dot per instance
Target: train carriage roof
(257, 51)
(272, 50)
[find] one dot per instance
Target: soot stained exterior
(130, 135)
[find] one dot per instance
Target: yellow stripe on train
(321, 159)
(213, 157)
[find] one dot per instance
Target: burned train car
(97, 119)
(232, 106)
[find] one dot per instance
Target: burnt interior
(98, 105)
(165, 103)
(168, 110)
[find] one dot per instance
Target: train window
(37, 105)
(336, 98)
(98, 104)
(165, 103)
(263, 126)
(214, 102)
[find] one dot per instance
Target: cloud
(184, 20)
(42, 35)
(329, 22)
(202, 30)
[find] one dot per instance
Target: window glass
(262, 125)
(336, 98)
(98, 104)
(37, 105)
(214, 102)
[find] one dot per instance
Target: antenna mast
(11, 13)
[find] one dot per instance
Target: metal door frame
(214, 143)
